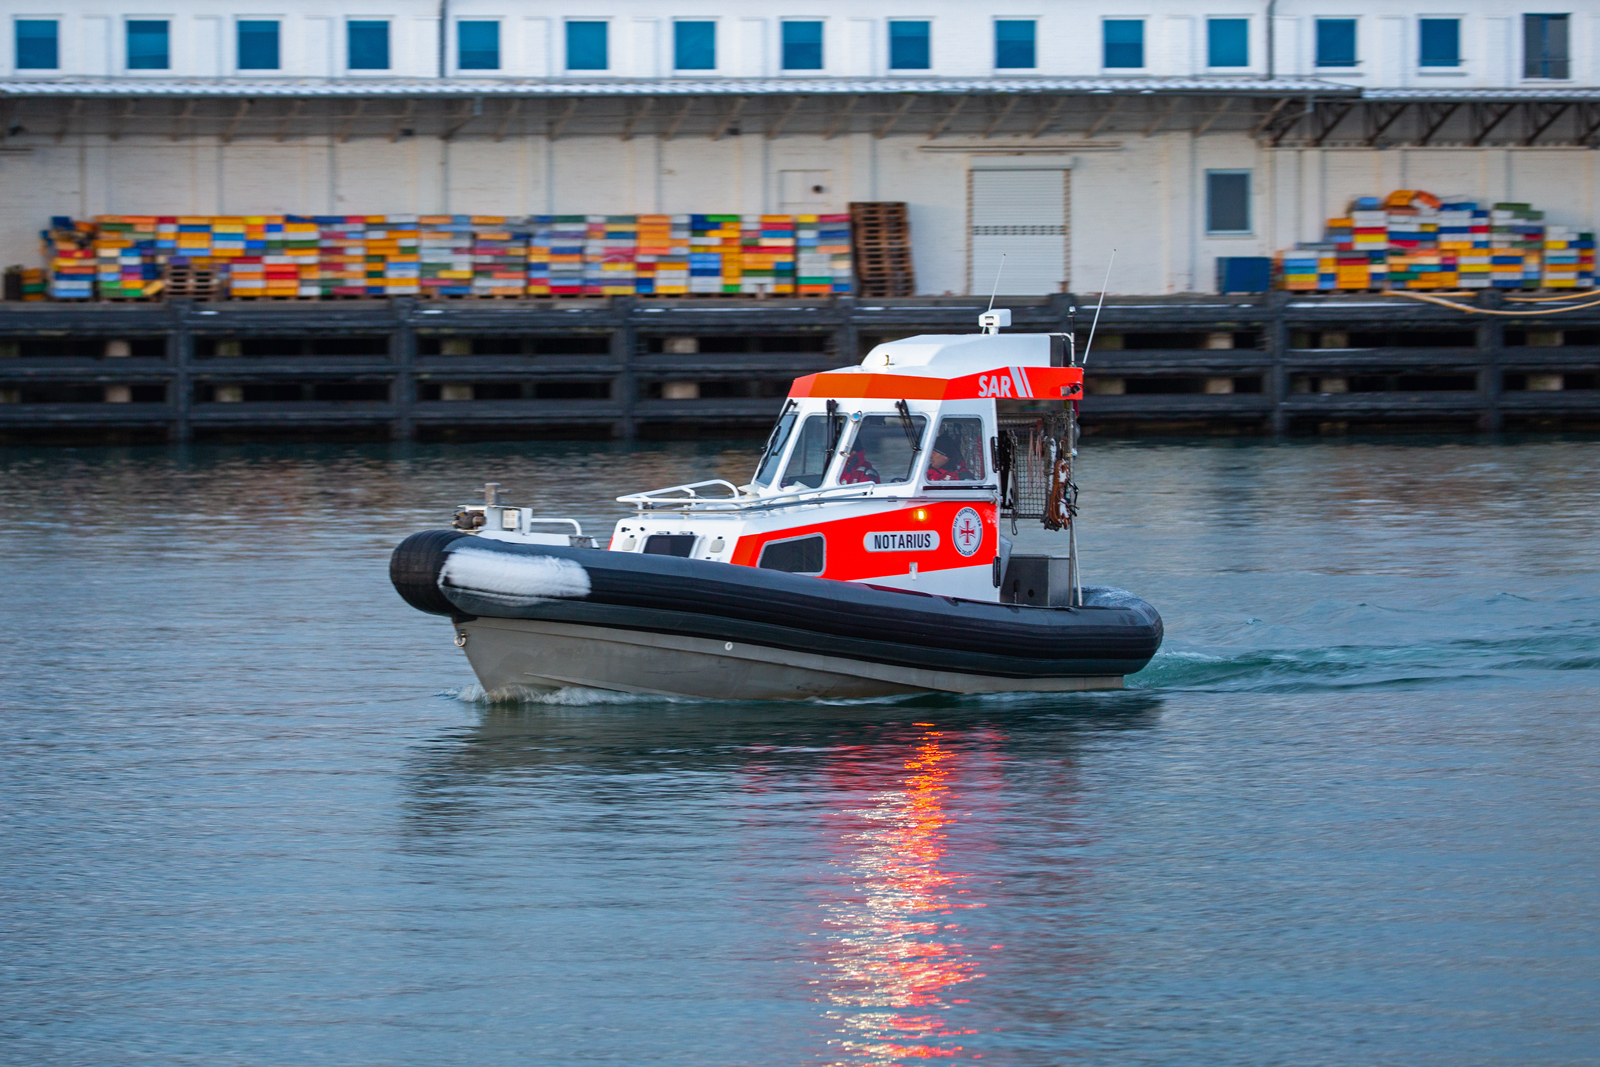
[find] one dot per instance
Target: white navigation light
(992, 321)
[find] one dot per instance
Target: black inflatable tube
(669, 594)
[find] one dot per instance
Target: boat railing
(688, 499)
(687, 494)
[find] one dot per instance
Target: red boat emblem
(967, 531)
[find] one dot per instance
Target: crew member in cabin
(857, 468)
(945, 463)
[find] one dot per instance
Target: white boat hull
(512, 655)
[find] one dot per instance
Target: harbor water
(255, 811)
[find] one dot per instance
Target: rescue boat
(868, 555)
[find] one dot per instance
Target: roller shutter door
(1023, 215)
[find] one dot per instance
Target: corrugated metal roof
(563, 87)
(1553, 94)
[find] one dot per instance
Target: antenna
(996, 288)
(1103, 286)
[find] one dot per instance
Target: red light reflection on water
(894, 946)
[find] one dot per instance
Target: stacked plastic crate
(125, 256)
(1568, 258)
(1310, 266)
(610, 242)
(1464, 234)
(444, 255)
(1516, 239)
(714, 253)
(654, 246)
(568, 236)
(342, 254)
(34, 286)
(394, 262)
(1415, 260)
(538, 276)
(499, 256)
(299, 249)
(813, 267)
(833, 241)
(69, 253)
(768, 264)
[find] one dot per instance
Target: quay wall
(399, 368)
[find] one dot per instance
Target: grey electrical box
(1038, 581)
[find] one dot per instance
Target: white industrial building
(1173, 132)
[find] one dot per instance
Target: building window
(1227, 201)
(38, 44)
(147, 45)
(1440, 41)
(1227, 42)
(478, 45)
(1544, 47)
(694, 45)
(1336, 42)
(258, 45)
(1124, 42)
(368, 45)
(908, 46)
(1014, 44)
(586, 46)
(802, 46)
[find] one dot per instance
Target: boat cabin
(897, 472)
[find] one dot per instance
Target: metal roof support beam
(945, 119)
(784, 117)
(1540, 117)
(1588, 123)
(636, 115)
(238, 116)
(1266, 120)
(1485, 117)
(734, 111)
(180, 121)
(1379, 118)
(894, 119)
(1161, 116)
(841, 118)
(677, 120)
(999, 120)
(1049, 118)
(1211, 119)
(1105, 117)
(350, 121)
(288, 120)
(1434, 116)
(1281, 122)
(560, 125)
(513, 109)
(127, 112)
(402, 120)
(470, 110)
(69, 111)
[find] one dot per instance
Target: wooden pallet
(880, 237)
(194, 283)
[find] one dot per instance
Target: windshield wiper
(905, 424)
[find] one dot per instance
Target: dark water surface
(251, 814)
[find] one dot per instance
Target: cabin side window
(813, 451)
(796, 555)
(957, 451)
(768, 469)
(884, 450)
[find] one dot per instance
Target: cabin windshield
(883, 451)
(813, 451)
(769, 459)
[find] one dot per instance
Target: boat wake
(567, 696)
(1355, 666)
